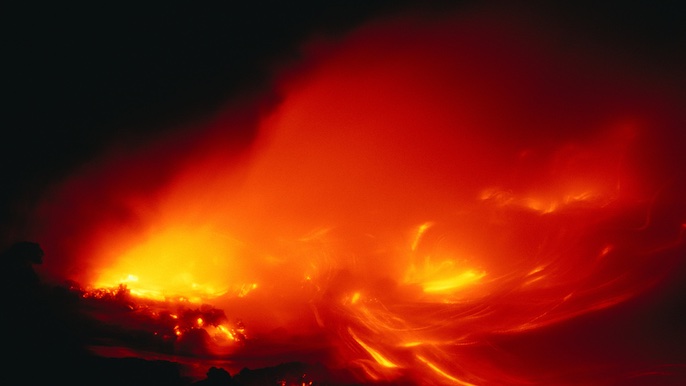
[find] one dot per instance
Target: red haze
(422, 187)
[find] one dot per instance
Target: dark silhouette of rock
(216, 377)
(128, 372)
(17, 265)
(45, 334)
(194, 342)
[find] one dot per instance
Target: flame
(443, 373)
(160, 266)
(380, 359)
(385, 205)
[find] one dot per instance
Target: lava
(422, 191)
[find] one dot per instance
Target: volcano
(420, 195)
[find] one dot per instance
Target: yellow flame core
(380, 359)
(193, 262)
(442, 277)
(453, 282)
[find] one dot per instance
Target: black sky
(81, 76)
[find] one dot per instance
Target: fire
(406, 202)
(440, 277)
(159, 266)
(449, 284)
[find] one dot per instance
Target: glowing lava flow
(160, 266)
(413, 202)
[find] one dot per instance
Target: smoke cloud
(413, 156)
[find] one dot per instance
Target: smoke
(425, 151)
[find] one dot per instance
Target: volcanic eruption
(428, 199)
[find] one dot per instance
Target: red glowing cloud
(421, 185)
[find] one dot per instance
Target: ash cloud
(397, 122)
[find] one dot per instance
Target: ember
(431, 200)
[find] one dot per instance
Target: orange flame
(400, 200)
